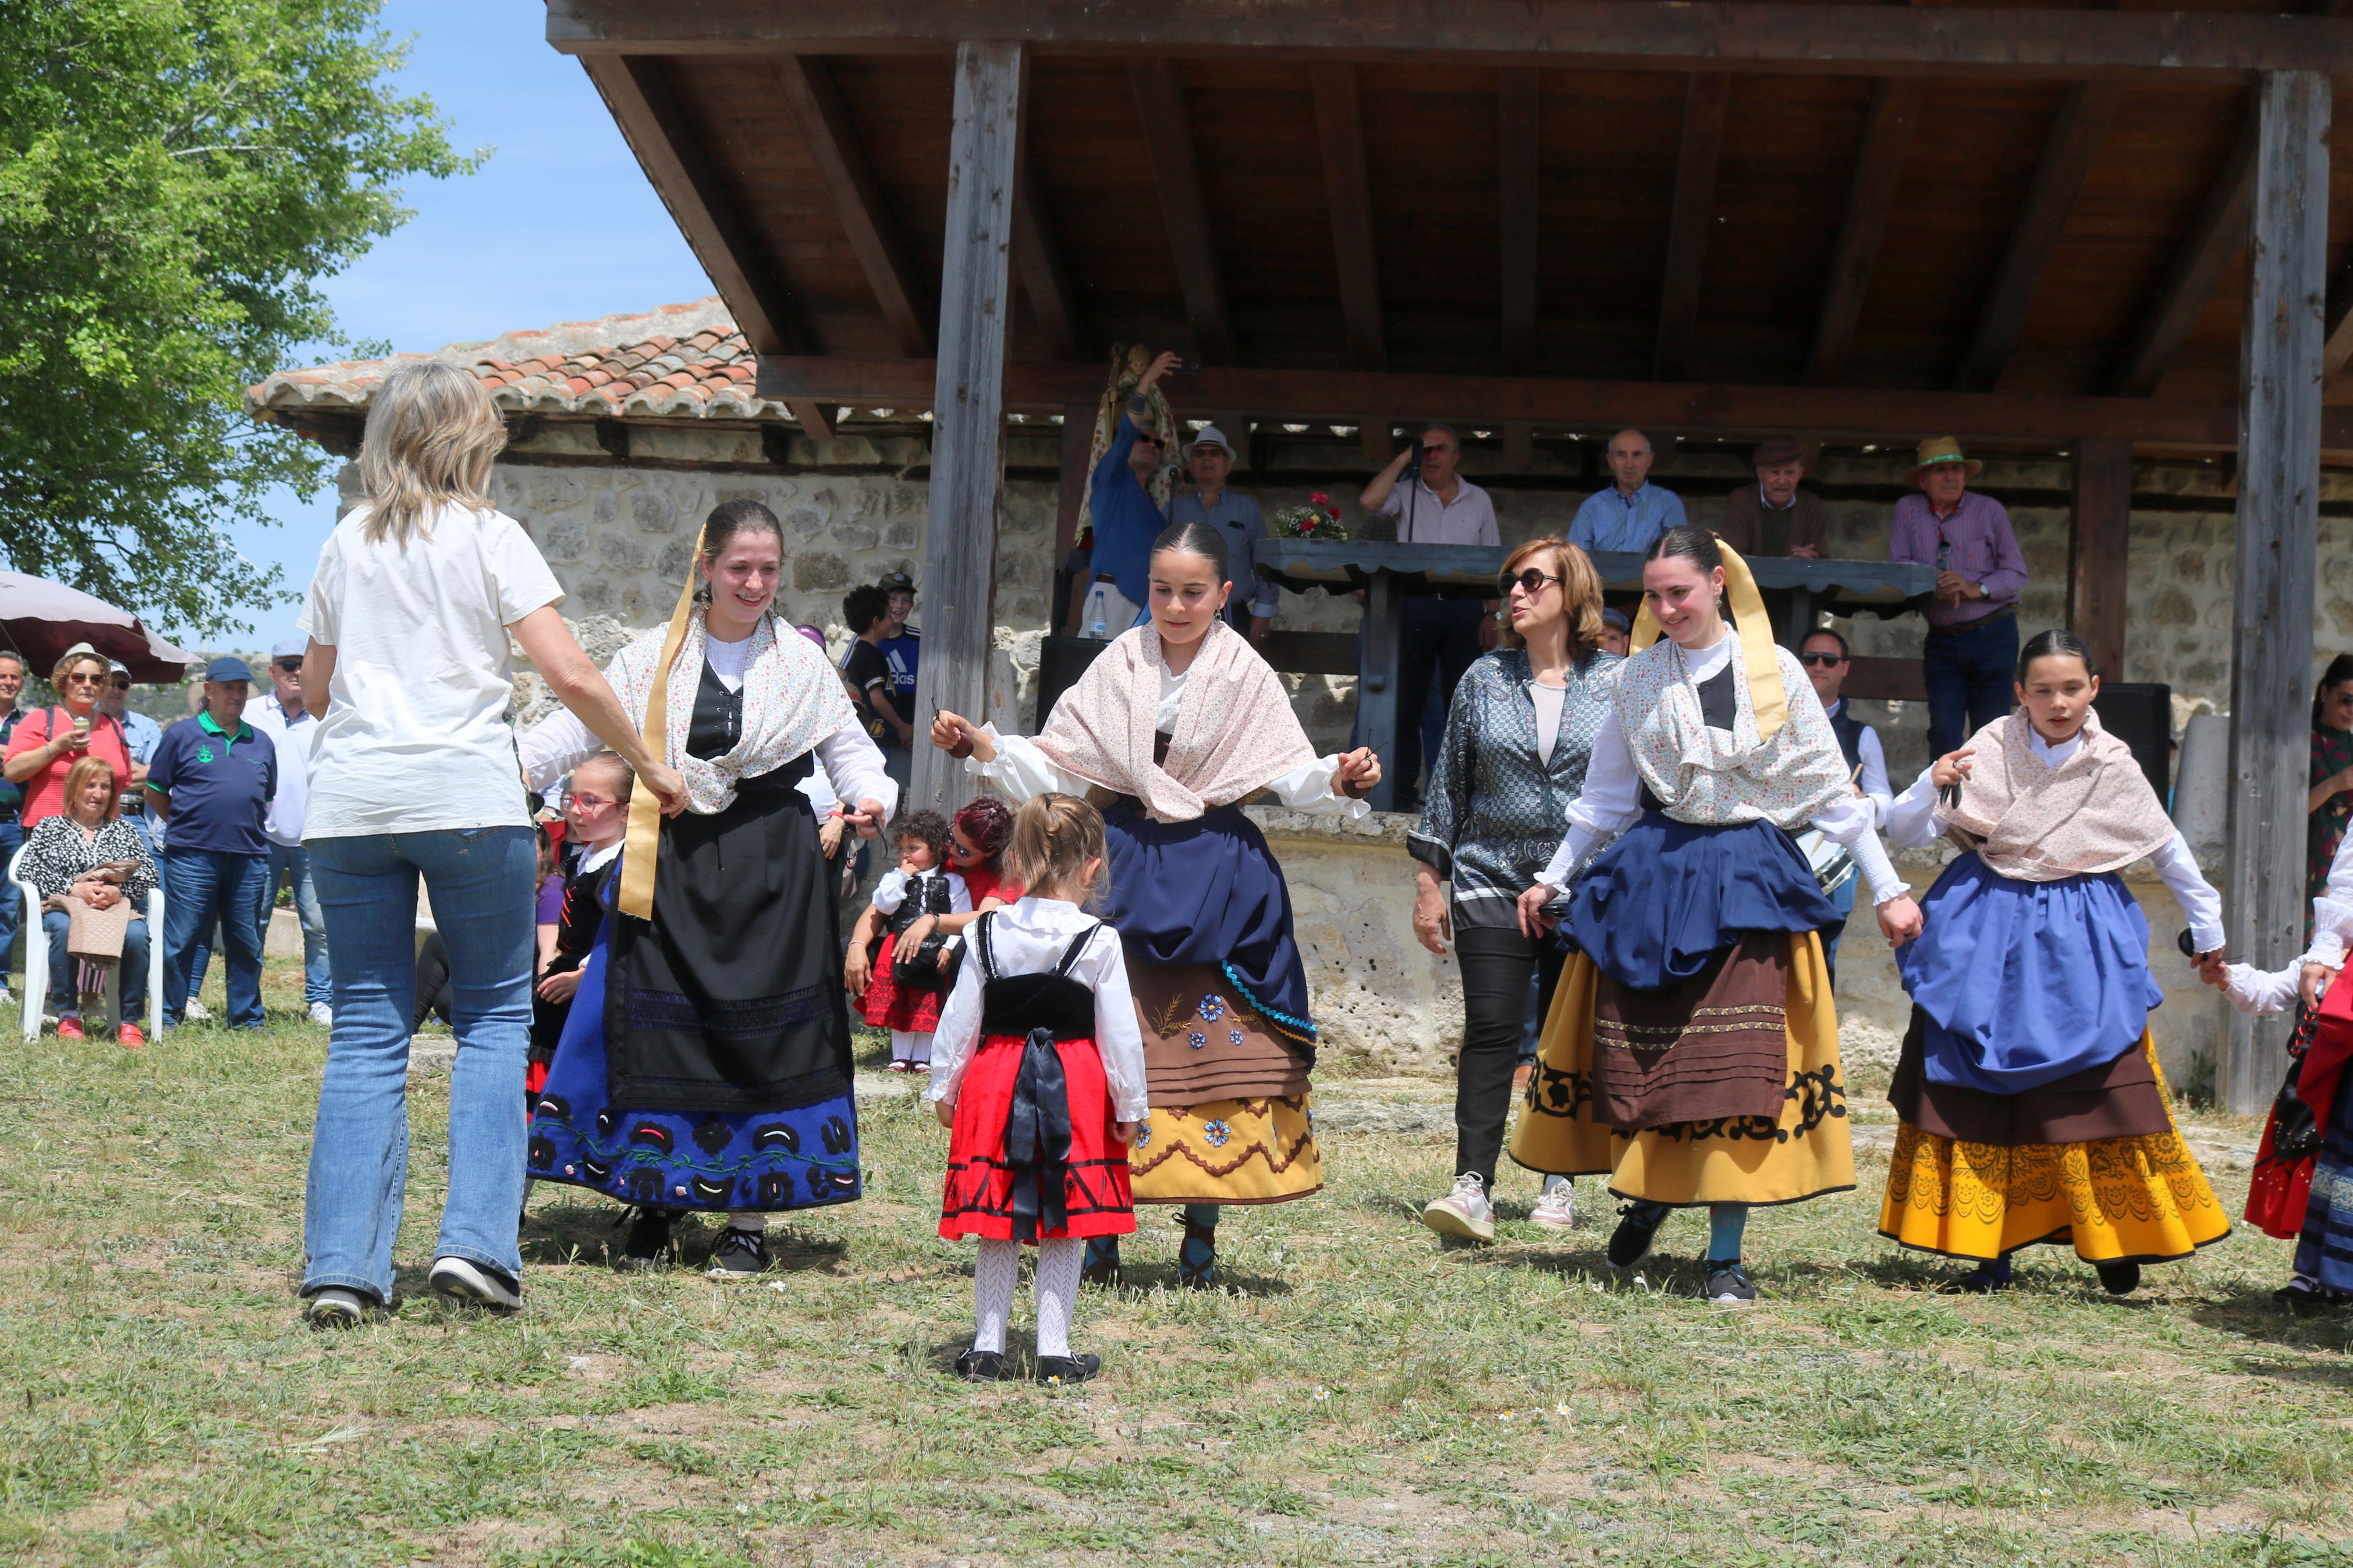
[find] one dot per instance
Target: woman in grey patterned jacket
(1517, 737)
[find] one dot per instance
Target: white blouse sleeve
(1911, 817)
(1311, 787)
(2332, 911)
(1874, 776)
(891, 892)
(1849, 820)
(1118, 1040)
(2177, 868)
(1024, 772)
(554, 746)
(854, 762)
(1611, 799)
(959, 896)
(959, 1026)
(2252, 991)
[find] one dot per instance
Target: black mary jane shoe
(1983, 1280)
(2307, 1299)
(2119, 1278)
(981, 1366)
(1068, 1369)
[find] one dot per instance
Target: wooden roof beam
(1878, 171)
(1340, 128)
(2076, 136)
(653, 122)
(2214, 238)
(1865, 413)
(831, 141)
(1176, 171)
(1045, 274)
(1695, 165)
(1519, 133)
(1813, 38)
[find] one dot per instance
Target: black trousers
(1496, 963)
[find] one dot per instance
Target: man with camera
(1432, 505)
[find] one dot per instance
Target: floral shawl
(2035, 823)
(1706, 777)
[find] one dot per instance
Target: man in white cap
(141, 735)
(284, 717)
(1210, 460)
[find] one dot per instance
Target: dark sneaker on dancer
(981, 1366)
(2306, 1296)
(1630, 1242)
(652, 1241)
(1101, 1266)
(336, 1307)
(1728, 1284)
(1060, 1369)
(1196, 1255)
(1464, 1212)
(740, 1251)
(1983, 1280)
(2119, 1278)
(476, 1284)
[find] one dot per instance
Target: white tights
(907, 1045)
(993, 1275)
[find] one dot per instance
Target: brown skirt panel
(1717, 1045)
(2121, 1098)
(1202, 1042)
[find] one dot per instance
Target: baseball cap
(288, 647)
(896, 583)
(227, 670)
(1613, 616)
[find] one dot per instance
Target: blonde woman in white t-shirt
(413, 772)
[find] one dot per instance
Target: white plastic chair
(36, 959)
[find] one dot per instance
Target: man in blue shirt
(1633, 513)
(1126, 519)
(1211, 460)
(211, 780)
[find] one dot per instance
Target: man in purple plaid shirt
(1972, 647)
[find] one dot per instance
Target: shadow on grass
(589, 1235)
(2250, 1312)
(1143, 1277)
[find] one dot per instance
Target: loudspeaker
(1060, 662)
(2140, 714)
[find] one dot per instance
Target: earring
(702, 594)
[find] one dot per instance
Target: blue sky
(558, 226)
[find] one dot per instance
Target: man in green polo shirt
(212, 779)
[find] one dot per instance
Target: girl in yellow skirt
(1176, 724)
(2032, 1107)
(1692, 1051)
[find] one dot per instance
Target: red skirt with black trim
(980, 1184)
(888, 1004)
(2280, 1190)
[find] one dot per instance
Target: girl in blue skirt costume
(706, 1062)
(1692, 1051)
(2030, 1104)
(1175, 724)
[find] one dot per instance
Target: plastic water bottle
(1097, 610)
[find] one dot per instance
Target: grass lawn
(1359, 1394)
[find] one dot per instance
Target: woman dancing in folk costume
(1518, 736)
(2030, 1102)
(1175, 724)
(706, 1062)
(1692, 1051)
(901, 987)
(1039, 1075)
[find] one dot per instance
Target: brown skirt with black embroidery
(1230, 1120)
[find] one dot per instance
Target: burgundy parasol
(41, 619)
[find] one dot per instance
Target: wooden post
(2278, 528)
(2099, 539)
(1078, 444)
(969, 405)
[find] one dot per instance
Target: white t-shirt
(417, 737)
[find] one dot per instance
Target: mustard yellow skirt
(1258, 1151)
(1736, 1160)
(2139, 1199)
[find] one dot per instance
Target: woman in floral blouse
(59, 854)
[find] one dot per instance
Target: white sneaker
(196, 1012)
(1555, 1208)
(323, 1014)
(1464, 1212)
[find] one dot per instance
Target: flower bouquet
(1319, 519)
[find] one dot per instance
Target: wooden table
(1796, 591)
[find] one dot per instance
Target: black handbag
(2296, 1131)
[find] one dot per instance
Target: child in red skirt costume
(902, 992)
(1038, 1072)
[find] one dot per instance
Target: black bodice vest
(717, 728)
(1019, 1003)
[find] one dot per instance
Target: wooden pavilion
(2077, 227)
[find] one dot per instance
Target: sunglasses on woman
(1531, 579)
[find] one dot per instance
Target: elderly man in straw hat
(1210, 460)
(1775, 516)
(1973, 618)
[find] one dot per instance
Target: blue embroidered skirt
(2324, 1250)
(2023, 983)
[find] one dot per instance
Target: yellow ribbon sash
(644, 841)
(1755, 630)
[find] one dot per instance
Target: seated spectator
(596, 817)
(47, 742)
(1775, 516)
(1616, 632)
(1633, 513)
(211, 782)
(63, 856)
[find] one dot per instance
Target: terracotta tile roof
(675, 361)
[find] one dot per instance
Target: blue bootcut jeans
(1968, 675)
(480, 883)
(201, 887)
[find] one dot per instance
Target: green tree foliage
(175, 175)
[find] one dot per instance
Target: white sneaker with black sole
(1464, 1212)
(335, 1307)
(463, 1279)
